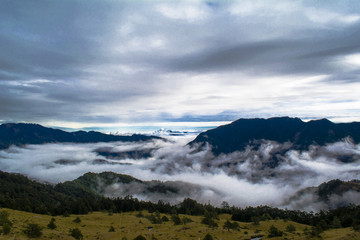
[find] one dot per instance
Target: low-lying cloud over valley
(270, 174)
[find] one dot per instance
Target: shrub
(274, 232)
(176, 219)
(76, 233)
(77, 220)
(336, 223)
(231, 225)
(165, 219)
(210, 222)
(52, 224)
(140, 237)
(5, 222)
(4, 218)
(140, 214)
(111, 229)
(154, 219)
(6, 229)
(186, 220)
(208, 237)
(255, 220)
(33, 230)
(290, 228)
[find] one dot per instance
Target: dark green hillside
(90, 182)
(20, 193)
(325, 190)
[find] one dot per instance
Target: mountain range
(25, 133)
(239, 134)
(255, 151)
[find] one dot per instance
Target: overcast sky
(92, 63)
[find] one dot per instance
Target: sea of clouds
(243, 178)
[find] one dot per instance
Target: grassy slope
(96, 226)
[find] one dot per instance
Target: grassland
(127, 226)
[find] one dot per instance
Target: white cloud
(185, 10)
(352, 60)
(327, 17)
(241, 178)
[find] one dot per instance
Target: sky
(110, 63)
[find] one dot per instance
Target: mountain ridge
(241, 133)
(29, 133)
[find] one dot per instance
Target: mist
(271, 174)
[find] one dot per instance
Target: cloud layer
(241, 178)
(91, 62)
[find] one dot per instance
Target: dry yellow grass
(96, 226)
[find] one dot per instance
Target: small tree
(4, 218)
(6, 228)
(5, 222)
(111, 229)
(255, 220)
(140, 214)
(76, 233)
(210, 222)
(176, 219)
(33, 230)
(52, 224)
(336, 223)
(229, 225)
(140, 237)
(77, 220)
(186, 220)
(290, 228)
(274, 232)
(208, 237)
(225, 205)
(154, 219)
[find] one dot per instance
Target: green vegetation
(75, 197)
(76, 233)
(77, 220)
(140, 237)
(274, 232)
(5, 222)
(189, 217)
(208, 237)
(231, 225)
(52, 224)
(6, 229)
(290, 228)
(97, 225)
(33, 230)
(176, 219)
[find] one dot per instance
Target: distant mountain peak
(237, 135)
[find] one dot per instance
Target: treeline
(20, 193)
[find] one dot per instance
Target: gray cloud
(133, 61)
